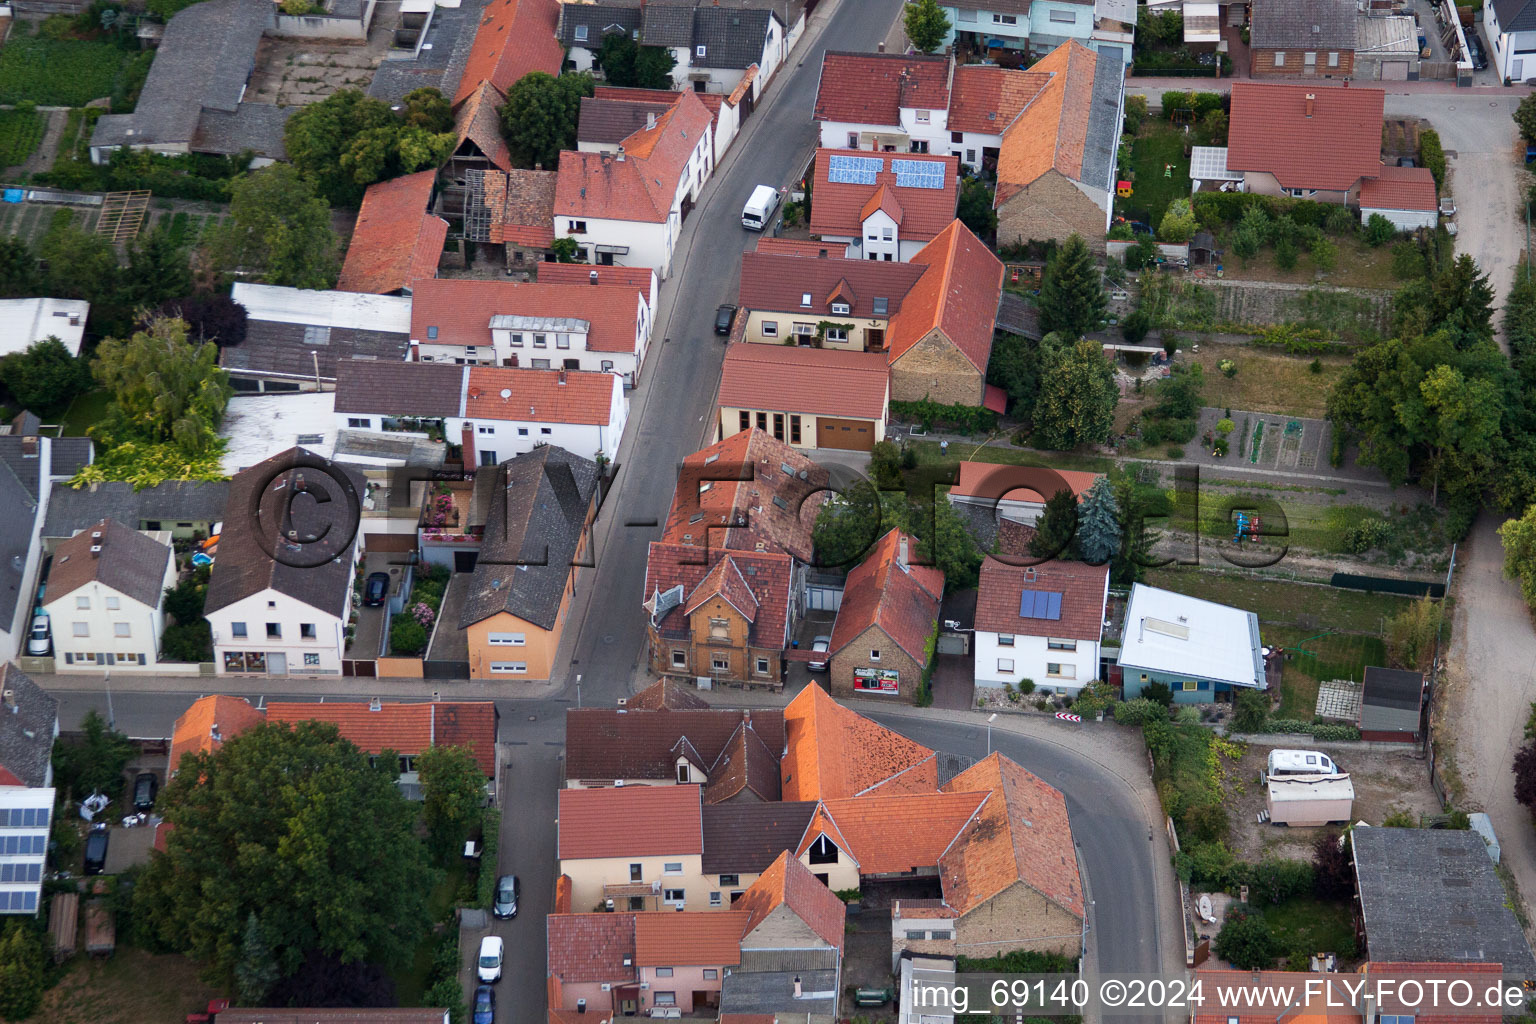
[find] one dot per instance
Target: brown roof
(395, 241)
(542, 396)
(641, 185)
(774, 281)
(521, 207)
(611, 121)
(979, 477)
(798, 247)
(724, 580)
(629, 821)
(1334, 147)
(1051, 132)
(129, 562)
(461, 310)
(605, 744)
(986, 98)
(901, 598)
(958, 294)
(1021, 834)
(899, 834)
(925, 211)
(404, 728)
(815, 381)
(477, 120)
(208, 722)
(667, 694)
(1082, 588)
(832, 752)
(685, 565)
(788, 882)
(1399, 188)
(586, 948)
(514, 38)
(712, 100)
(745, 838)
(709, 938)
(746, 765)
(398, 389)
(871, 88)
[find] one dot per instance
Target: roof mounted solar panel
(1040, 604)
(854, 170)
(919, 173)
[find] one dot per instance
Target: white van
(760, 207)
(1300, 762)
(488, 967)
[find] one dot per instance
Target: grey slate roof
(773, 992)
(661, 25)
(1431, 896)
(1304, 25)
(271, 347)
(72, 454)
(450, 36)
(1104, 123)
(71, 510)
(27, 721)
(598, 20)
(18, 510)
(257, 127)
(23, 454)
(613, 121)
(399, 389)
(731, 39)
(746, 838)
(535, 524)
(1515, 15)
(130, 562)
(1391, 699)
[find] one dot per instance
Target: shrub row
(1317, 730)
(490, 839)
(1229, 207)
(966, 419)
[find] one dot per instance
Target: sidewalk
(303, 687)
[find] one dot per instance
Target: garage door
(1394, 71)
(857, 435)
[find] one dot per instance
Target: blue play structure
(1247, 528)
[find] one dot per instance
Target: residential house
(807, 398)
(791, 948)
(1303, 37)
(874, 838)
(734, 755)
(280, 608)
(889, 612)
(1040, 622)
(832, 753)
(985, 485)
(182, 508)
(513, 37)
(881, 212)
(984, 102)
(396, 241)
(538, 531)
(1434, 896)
(1404, 195)
(627, 208)
(25, 322)
(1056, 164)
(30, 464)
(591, 964)
(29, 724)
(193, 99)
(649, 862)
(294, 337)
(1392, 704)
(641, 279)
(106, 597)
(667, 962)
(1201, 649)
(1511, 28)
(726, 110)
(605, 122)
(724, 582)
(204, 727)
(1025, 27)
(742, 840)
(586, 322)
(849, 303)
(514, 209)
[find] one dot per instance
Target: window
(1005, 19)
(674, 867)
(522, 431)
(359, 422)
(711, 974)
(488, 458)
(794, 428)
(1333, 59)
(720, 662)
(922, 117)
(840, 307)
(562, 341)
(778, 426)
(120, 629)
(540, 364)
(1061, 645)
(113, 604)
(1005, 664)
(306, 631)
(874, 655)
(82, 629)
(83, 602)
(770, 328)
(1064, 17)
(515, 340)
(546, 430)
(823, 851)
(941, 935)
(1060, 671)
(719, 629)
(744, 421)
(607, 366)
(762, 666)
(683, 773)
(837, 334)
(634, 873)
(541, 341)
(1005, 639)
(1309, 59)
(485, 430)
(700, 50)
(1188, 685)
(311, 659)
(237, 630)
(805, 298)
(970, 156)
(578, 227)
(507, 639)
(673, 897)
(853, 140)
(730, 881)
(663, 972)
(510, 668)
(274, 631)
(1279, 58)
(666, 998)
(679, 659)
(762, 421)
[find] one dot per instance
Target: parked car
(508, 889)
(144, 789)
(375, 589)
(820, 646)
(724, 317)
(96, 850)
(488, 967)
(485, 1005)
(1407, 161)
(1475, 52)
(40, 637)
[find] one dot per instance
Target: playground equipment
(1247, 528)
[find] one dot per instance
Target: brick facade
(1018, 918)
(855, 655)
(934, 369)
(1264, 65)
(1050, 207)
(742, 663)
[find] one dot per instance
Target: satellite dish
(506, 393)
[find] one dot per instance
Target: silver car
(39, 639)
(819, 646)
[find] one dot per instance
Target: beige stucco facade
(798, 430)
(1052, 206)
(590, 876)
(934, 369)
(841, 872)
(866, 335)
(1265, 184)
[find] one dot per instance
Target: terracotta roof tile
(404, 728)
(1021, 834)
(832, 752)
(958, 293)
(904, 602)
(477, 120)
(1051, 131)
(982, 478)
(986, 98)
(461, 310)
(788, 882)
(925, 211)
(724, 580)
(630, 821)
(885, 201)
(712, 100)
(816, 381)
(871, 88)
(396, 241)
(563, 895)
(772, 280)
(1336, 146)
(543, 396)
(897, 834)
(640, 279)
(604, 744)
(1399, 188)
(641, 186)
(667, 694)
(1082, 588)
(194, 730)
(746, 764)
(585, 948)
(520, 206)
(798, 247)
(769, 574)
(708, 938)
(514, 37)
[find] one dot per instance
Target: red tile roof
(815, 381)
(1336, 146)
(630, 821)
(514, 38)
(707, 938)
(769, 574)
(884, 200)
(1020, 834)
(521, 207)
(986, 99)
(1082, 587)
(996, 399)
(396, 241)
(726, 581)
(642, 185)
(871, 88)
(1051, 132)
(586, 948)
(787, 882)
(1399, 188)
(461, 310)
(669, 695)
(798, 247)
(902, 601)
(404, 728)
(541, 396)
(925, 211)
(477, 120)
(642, 279)
(958, 294)
(712, 100)
(897, 834)
(983, 478)
(193, 732)
(775, 281)
(832, 752)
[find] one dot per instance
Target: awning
(996, 399)
(617, 250)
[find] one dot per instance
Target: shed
(1391, 705)
(1403, 195)
(1309, 799)
(63, 924)
(100, 928)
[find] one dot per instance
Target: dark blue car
(485, 1005)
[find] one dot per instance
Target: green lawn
(928, 452)
(1278, 603)
(411, 983)
(1313, 926)
(87, 410)
(1313, 658)
(58, 72)
(1161, 172)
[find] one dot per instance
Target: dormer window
(882, 305)
(698, 51)
(840, 307)
(805, 299)
(581, 33)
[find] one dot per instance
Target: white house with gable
(1040, 622)
(106, 597)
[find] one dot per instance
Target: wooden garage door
(858, 435)
(1394, 71)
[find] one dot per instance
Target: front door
(277, 663)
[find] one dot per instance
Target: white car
(819, 646)
(488, 967)
(39, 638)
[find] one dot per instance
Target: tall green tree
(428, 110)
(1072, 300)
(1460, 428)
(95, 762)
(1519, 539)
(164, 388)
(20, 276)
(1015, 367)
(348, 140)
(1056, 529)
(158, 269)
(654, 66)
(927, 25)
(22, 966)
(279, 229)
(975, 209)
(539, 118)
(45, 378)
(1462, 302)
(1078, 396)
(616, 56)
(295, 825)
(84, 265)
(849, 523)
(453, 790)
(1099, 531)
(848, 526)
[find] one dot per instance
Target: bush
(1211, 865)
(847, 895)
(1140, 711)
(1325, 255)
(1431, 155)
(1245, 243)
(1275, 880)
(1135, 327)
(1285, 254)
(1203, 823)
(1333, 872)
(1162, 693)
(1246, 941)
(1407, 261)
(1368, 533)
(490, 841)
(964, 419)
(1026, 686)
(1135, 113)
(1315, 366)
(1379, 231)
(22, 970)
(1339, 221)
(190, 642)
(407, 637)
(1250, 711)
(1227, 367)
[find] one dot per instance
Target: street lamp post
(111, 718)
(992, 718)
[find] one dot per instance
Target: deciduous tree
(209, 317)
(1519, 538)
(453, 789)
(1246, 941)
(348, 140)
(1072, 298)
(975, 209)
(256, 972)
(927, 25)
(279, 229)
(22, 964)
(1078, 395)
(45, 378)
(539, 118)
(95, 762)
(1525, 118)
(19, 273)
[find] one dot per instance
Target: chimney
(562, 378)
(798, 991)
(592, 276)
(538, 165)
(880, 46)
(467, 440)
(620, 157)
(650, 121)
(415, 351)
(1311, 98)
(901, 550)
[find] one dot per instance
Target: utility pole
(992, 718)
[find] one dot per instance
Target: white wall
(144, 623)
(507, 438)
(21, 873)
(882, 236)
(1404, 220)
(649, 244)
(327, 647)
(1030, 656)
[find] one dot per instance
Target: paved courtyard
(1339, 698)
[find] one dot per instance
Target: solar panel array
(919, 173)
(855, 170)
(1040, 604)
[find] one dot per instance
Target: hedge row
(1317, 730)
(490, 836)
(966, 419)
(1229, 207)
